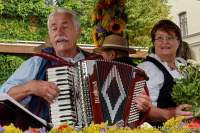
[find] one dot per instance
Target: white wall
(192, 9)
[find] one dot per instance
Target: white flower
(146, 125)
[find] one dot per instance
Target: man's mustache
(61, 38)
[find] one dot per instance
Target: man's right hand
(47, 90)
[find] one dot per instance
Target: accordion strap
(51, 57)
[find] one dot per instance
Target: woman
(162, 68)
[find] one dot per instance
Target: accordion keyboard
(62, 109)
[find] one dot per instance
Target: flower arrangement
(109, 18)
(187, 90)
(173, 125)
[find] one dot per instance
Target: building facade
(185, 13)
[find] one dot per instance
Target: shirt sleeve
(26, 72)
(155, 82)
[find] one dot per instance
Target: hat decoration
(109, 18)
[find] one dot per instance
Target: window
(183, 23)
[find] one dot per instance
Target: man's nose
(59, 31)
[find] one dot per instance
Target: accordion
(95, 91)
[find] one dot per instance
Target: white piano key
(67, 92)
(63, 113)
(67, 101)
(60, 109)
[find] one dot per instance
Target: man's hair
(75, 18)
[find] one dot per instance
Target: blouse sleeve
(156, 80)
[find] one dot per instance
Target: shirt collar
(177, 63)
(78, 57)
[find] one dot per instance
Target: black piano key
(63, 98)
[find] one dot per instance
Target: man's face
(63, 34)
(108, 55)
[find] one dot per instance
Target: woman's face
(166, 43)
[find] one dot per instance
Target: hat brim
(129, 50)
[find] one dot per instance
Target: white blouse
(156, 76)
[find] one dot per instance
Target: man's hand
(47, 90)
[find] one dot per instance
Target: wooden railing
(28, 47)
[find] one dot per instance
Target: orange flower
(34, 130)
(62, 127)
(122, 2)
(94, 36)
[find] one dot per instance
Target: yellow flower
(11, 129)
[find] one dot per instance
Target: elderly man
(28, 84)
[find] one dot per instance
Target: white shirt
(156, 76)
(28, 71)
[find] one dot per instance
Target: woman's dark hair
(167, 26)
(185, 51)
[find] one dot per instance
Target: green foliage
(21, 30)
(137, 60)
(23, 19)
(8, 64)
(187, 90)
(84, 10)
(143, 15)
(26, 19)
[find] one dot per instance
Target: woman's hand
(180, 110)
(143, 102)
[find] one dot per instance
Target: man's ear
(113, 54)
(78, 32)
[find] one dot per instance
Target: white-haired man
(28, 84)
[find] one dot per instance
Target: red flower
(34, 130)
(63, 126)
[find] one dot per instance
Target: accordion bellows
(96, 91)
